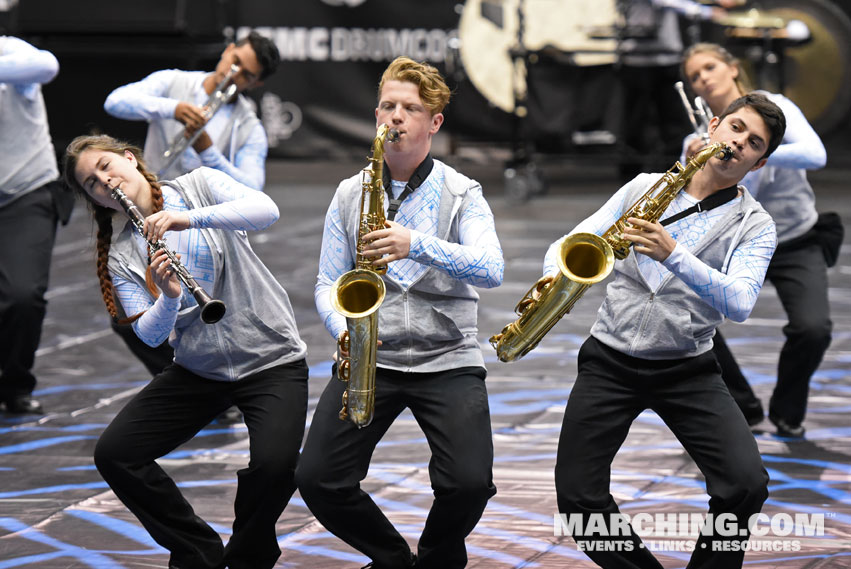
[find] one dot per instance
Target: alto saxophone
(358, 293)
(585, 259)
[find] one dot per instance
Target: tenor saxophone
(585, 259)
(358, 294)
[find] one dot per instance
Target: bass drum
(817, 73)
(488, 32)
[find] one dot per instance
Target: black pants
(27, 232)
(155, 359)
(800, 276)
(168, 412)
(452, 410)
(611, 390)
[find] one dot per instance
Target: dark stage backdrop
(321, 101)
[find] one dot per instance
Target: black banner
(322, 99)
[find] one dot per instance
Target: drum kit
(786, 46)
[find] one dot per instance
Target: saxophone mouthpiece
(393, 135)
(725, 153)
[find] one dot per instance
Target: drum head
(488, 31)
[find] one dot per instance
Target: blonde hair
(722, 54)
(432, 88)
(103, 215)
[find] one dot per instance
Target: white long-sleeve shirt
(146, 100)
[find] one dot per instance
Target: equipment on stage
(495, 36)
(699, 115)
(585, 259)
(358, 294)
(211, 310)
(500, 41)
(223, 92)
(801, 48)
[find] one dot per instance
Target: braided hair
(103, 215)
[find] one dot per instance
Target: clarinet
(212, 310)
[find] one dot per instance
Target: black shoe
(231, 416)
(786, 430)
(753, 413)
(24, 405)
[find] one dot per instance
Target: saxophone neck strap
(717, 199)
(417, 178)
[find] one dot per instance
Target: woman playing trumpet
(798, 269)
(202, 217)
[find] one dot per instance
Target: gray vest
(259, 329)
(27, 157)
(674, 322)
(161, 133)
(432, 325)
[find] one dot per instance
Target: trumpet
(220, 95)
(699, 115)
(211, 310)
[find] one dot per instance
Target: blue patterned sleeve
(154, 326)
(477, 258)
(732, 294)
(238, 207)
(335, 259)
(145, 99)
(249, 164)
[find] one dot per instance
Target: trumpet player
(650, 347)
(252, 358)
(233, 139)
(798, 269)
(438, 244)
